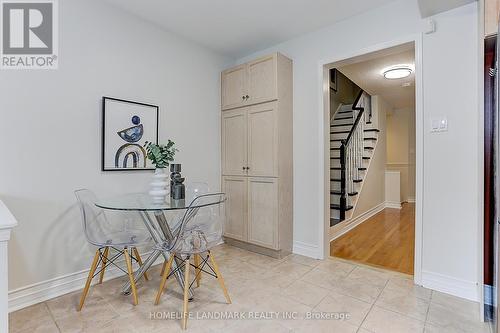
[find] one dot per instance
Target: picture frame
(126, 126)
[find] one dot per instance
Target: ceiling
(236, 28)
(433, 7)
(368, 75)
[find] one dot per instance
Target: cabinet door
(263, 140)
(263, 212)
(262, 75)
(234, 87)
(235, 222)
(234, 142)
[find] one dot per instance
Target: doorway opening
(372, 158)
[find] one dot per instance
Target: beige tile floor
(348, 297)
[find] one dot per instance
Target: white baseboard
(45, 290)
(411, 200)
(450, 285)
(395, 205)
(353, 223)
(307, 250)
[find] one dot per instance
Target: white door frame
(324, 144)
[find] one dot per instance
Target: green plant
(160, 155)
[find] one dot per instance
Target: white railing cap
(7, 220)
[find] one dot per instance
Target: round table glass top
(144, 202)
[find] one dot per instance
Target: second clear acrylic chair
(193, 190)
(121, 232)
(199, 230)
(196, 189)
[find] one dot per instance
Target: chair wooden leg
(130, 275)
(164, 277)
(139, 260)
(197, 270)
(186, 294)
(103, 264)
(219, 277)
(89, 279)
(163, 267)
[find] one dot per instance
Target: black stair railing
(351, 155)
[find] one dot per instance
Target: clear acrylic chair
(200, 229)
(193, 190)
(119, 231)
(196, 189)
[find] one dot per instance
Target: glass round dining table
(143, 202)
(160, 229)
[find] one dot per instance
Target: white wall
(51, 128)
(451, 159)
(401, 149)
(450, 62)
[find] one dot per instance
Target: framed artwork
(126, 126)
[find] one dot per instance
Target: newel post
(343, 194)
(7, 222)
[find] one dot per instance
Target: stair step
(345, 107)
(368, 122)
(337, 207)
(338, 158)
(346, 111)
(339, 168)
(372, 130)
(340, 125)
(342, 118)
(369, 148)
(335, 148)
(337, 180)
(370, 139)
(339, 193)
(336, 140)
(334, 221)
(341, 132)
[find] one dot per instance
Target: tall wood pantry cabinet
(257, 157)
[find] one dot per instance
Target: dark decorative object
(177, 188)
(126, 126)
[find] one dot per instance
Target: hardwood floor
(385, 240)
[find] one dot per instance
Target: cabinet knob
(243, 97)
(247, 97)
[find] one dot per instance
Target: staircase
(352, 144)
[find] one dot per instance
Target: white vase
(159, 184)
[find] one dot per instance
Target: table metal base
(159, 240)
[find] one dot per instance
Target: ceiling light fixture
(397, 72)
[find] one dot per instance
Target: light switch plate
(439, 124)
